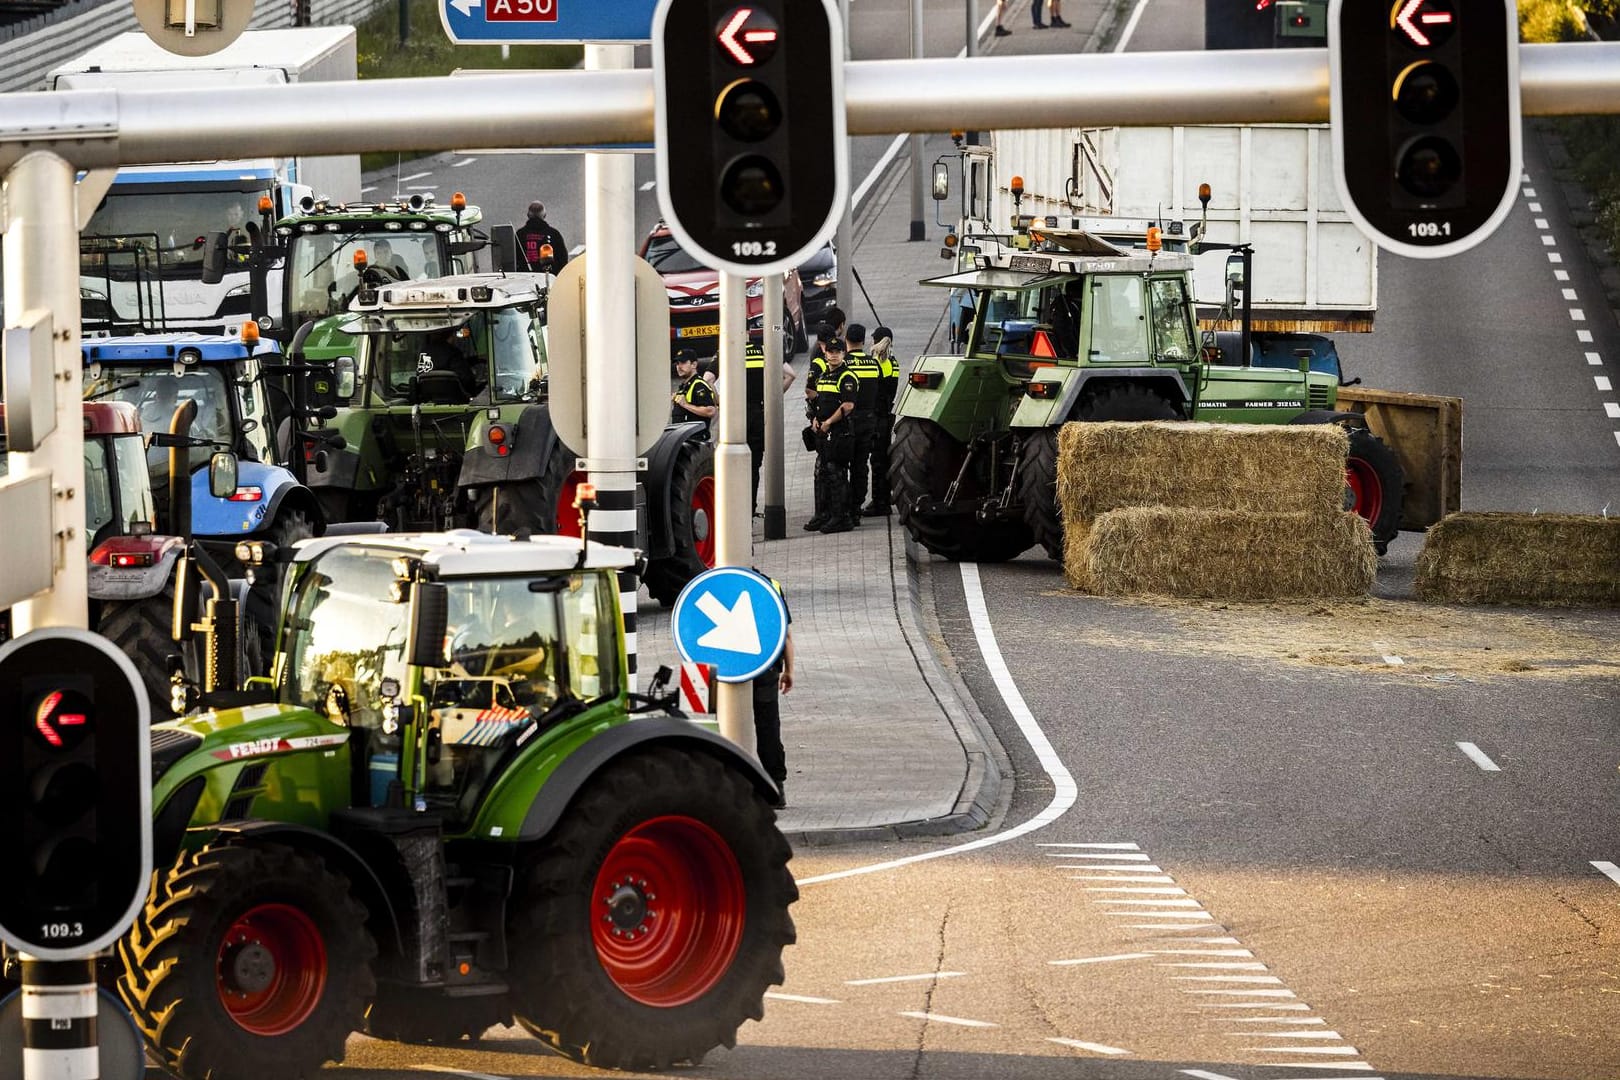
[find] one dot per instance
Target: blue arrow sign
(518, 22)
(733, 619)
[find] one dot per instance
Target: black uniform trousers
(865, 424)
(756, 455)
(835, 453)
(768, 724)
(882, 431)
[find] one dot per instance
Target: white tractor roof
(459, 291)
(470, 553)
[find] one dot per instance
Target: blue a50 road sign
(518, 22)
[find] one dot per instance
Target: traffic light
(1425, 109)
(749, 120)
(75, 801)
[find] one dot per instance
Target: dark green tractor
(1084, 331)
(447, 812)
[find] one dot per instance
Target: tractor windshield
(117, 490)
(492, 356)
(322, 277)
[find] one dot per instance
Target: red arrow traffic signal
(1438, 15)
(747, 36)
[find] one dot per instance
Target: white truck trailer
(142, 250)
(1271, 186)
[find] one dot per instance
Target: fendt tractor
(444, 423)
(1066, 326)
(447, 812)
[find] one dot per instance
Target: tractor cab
(527, 640)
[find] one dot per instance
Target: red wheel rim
(1364, 492)
(703, 540)
(271, 969)
(567, 512)
(667, 911)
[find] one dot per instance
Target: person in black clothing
(865, 417)
(533, 234)
(754, 376)
(445, 350)
(834, 393)
(831, 327)
(694, 398)
(771, 683)
(883, 428)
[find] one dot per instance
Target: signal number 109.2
(754, 249)
(1428, 229)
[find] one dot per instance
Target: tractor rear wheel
(540, 506)
(652, 921)
(264, 598)
(1126, 401)
(249, 961)
(923, 461)
(142, 629)
(1374, 486)
(691, 517)
(1037, 490)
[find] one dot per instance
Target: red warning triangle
(1043, 345)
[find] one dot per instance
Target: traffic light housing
(750, 134)
(75, 793)
(1425, 111)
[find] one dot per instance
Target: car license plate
(708, 330)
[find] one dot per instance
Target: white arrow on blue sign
(733, 619)
(519, 22)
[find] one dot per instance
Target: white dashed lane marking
(1478, 757)
(1101, 959)
(1090, 1047)
(1608, 870)
(957, 1020)
(905, 978)
(802, 999)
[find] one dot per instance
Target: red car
(694, 299)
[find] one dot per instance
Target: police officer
(883, 427)
(768, 686)
(754, 374)
(833, 400)
(693, 398)
(865, 417)
(831, 327)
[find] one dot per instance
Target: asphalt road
(1364, 837)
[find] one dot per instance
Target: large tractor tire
(653, 920)
(692, 520)
(142, 630)
(251, 962)
(429, 1018)
(1375, 486)
(1037, 490)
(542, 506)
(923, 461)
(264, 598)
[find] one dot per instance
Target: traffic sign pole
(42, 274)
(734, 538)
(772, 482)
(59, 1007)
(610, 348)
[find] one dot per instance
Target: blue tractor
(226, 377)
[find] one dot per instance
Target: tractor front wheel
(653, 919)
(1375, 487)
(249, 961)
(142, 629)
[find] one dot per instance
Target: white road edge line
(1204, 1074)
(1607, 869)
(461, 1072)
(1479, 757)
(1130, 27)
(1064, 790)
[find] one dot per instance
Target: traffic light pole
(734, 538)
(772, 482)
(42, 275)
(610, 348)
(59, 1008)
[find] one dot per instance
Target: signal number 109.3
(754, 249)
(60, 931)
(1429, 229)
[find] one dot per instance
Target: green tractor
(447, 812)
(1074, 328)
(444, 424)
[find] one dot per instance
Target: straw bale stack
(1292, 476)
(1229, 554)
(1516, 558)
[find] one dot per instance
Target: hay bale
(1228, 554)
(1514, 558)
(1110, 465)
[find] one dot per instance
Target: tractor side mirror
(430, 618)
(321, 388)
(1235, 282)
(222, 474)
(942, 181)
(213, 258)
(503, 245)
(343, 368)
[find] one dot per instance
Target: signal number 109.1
(1429, 228)
(754, 249)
